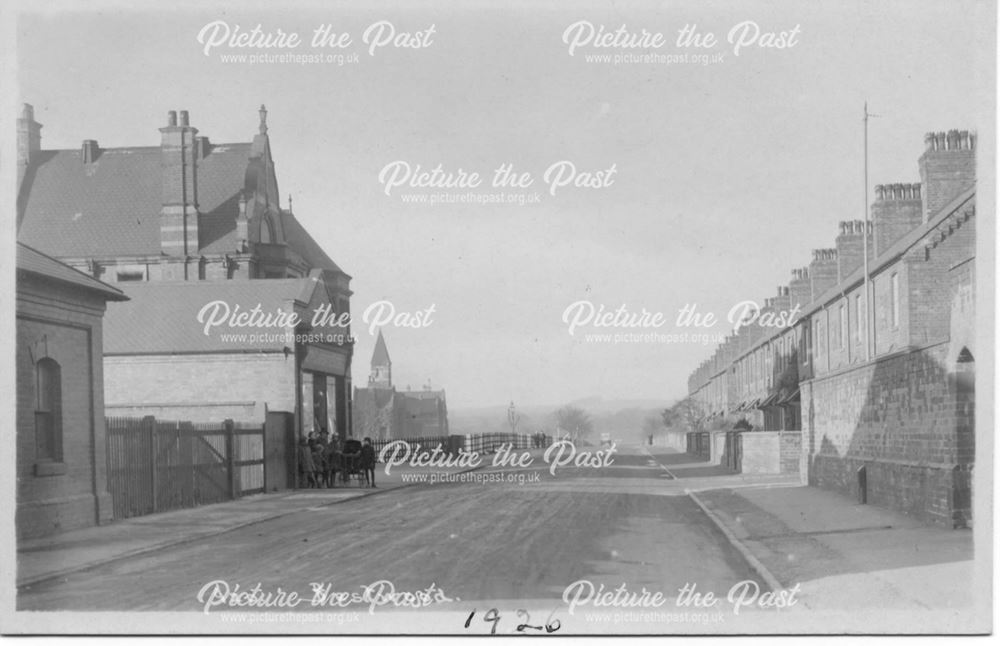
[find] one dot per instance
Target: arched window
(48, 410)
(266, 230)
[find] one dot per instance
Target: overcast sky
(727, 174)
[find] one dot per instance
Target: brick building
(382, 412)
(61, 481)
(884, 400)
(179, 226)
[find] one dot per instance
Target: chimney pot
(184, 118)
(172, 118)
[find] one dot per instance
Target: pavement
(62, 554)
(856, 558)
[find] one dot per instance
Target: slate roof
(299, 239)
(32, 261)
(110, 208)
(424, 394)
(162, 317)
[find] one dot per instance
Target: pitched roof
(424, 394)
(32, 261)
(110, 207)
(299, 239)
(417, 407)
(380, 357)
(374, 397)
(162, 317)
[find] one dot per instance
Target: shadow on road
(707, 471)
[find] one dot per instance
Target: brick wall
(900, 417)
(761, 452)
(930, 283)
(889, 337)
(200, 388)
(63, 325)
(771, 452)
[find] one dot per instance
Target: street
(491, 542)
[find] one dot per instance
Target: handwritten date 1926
(492, 616)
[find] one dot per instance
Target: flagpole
(868, 298)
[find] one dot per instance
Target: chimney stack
(799, 288)
(897, 210)
(947, 167)
(822, 271)
(851, 247)
(89, 151)
(179, 210)
(29, 139)
(201, 147)
(783, 301)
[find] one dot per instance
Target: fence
(490, 442)
(156, 466)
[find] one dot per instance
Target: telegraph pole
(869, 314)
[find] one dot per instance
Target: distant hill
(621, 417)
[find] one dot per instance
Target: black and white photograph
(480, 318)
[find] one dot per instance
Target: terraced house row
(880, 385)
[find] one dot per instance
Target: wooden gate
(156, 466)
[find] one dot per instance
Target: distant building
(382, 412)
(179, 226)
(61, 481)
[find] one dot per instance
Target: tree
(686, 414)
(574, 421)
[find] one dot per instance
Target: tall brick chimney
(800, 288)
(822, 271)
(947, 167)
(29, 139)
(851, 247)
(178, 164)
(896, 211)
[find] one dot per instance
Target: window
(48, 411)
(835, 332)
(895, 300)
(859, 319)
(807, 342)
(843, 326)
(130, 276)
(820, 331)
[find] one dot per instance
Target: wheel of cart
(350, 469)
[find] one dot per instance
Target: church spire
(381, 375)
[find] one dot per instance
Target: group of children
(321, 458)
